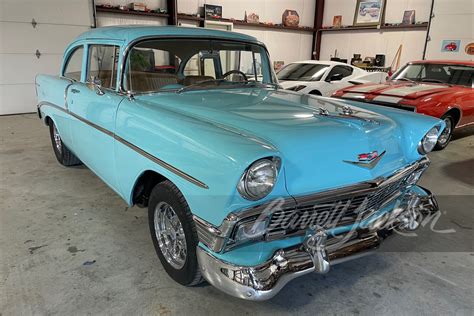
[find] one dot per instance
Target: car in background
(324, 77)
(443, 89)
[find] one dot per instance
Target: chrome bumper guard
(315, 254)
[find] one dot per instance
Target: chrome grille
(333, 211)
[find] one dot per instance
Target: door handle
(75, 90)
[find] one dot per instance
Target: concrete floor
(53, 220)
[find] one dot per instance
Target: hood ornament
(367, 160)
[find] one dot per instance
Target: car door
(71, 72)
(332, 85)
(94, 102)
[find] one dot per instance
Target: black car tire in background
(447, 133)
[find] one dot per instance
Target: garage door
(56, 23)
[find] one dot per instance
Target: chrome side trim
(130, 145)
(464, 125)
(161, 163)
(216, 237)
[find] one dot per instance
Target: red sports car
(442, 89)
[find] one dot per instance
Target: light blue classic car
(247, 185)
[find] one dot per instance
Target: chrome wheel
(57, 139)
(446, 134)
(170, 235)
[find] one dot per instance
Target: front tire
(62, 153)
(447, 133)
(174, 234)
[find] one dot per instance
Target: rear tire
(447, 133)
(174, 234)
(62, 153)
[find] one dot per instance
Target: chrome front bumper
(315, 254)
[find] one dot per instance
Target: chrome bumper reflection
(316, 254)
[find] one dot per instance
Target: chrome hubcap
(57, 139)
(170, 235)
(444, 137)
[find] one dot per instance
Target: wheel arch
(47, 120)
(455, 112)
(143, 186)
(315, 92)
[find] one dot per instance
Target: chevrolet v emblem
(367, 160)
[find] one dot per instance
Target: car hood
(313, 147)
(410, 91)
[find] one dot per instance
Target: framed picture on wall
(409, 17)
(337, 21)
(369, 12)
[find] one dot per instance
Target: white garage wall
(287, 46)
(59, 22)
(372, 42)
(107, 19)
(453, 20)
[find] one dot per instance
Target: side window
(344, 71)
(102, 65)
(200, 66)
(209, 67)
(73, 69)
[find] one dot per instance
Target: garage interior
(69, 245)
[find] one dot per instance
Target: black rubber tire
(315, 92)
(65, 156)
(441, 146)
(166, 191)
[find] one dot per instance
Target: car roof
(444, 62)
(129, 33)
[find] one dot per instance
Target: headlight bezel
(243, 185)
(430, 139)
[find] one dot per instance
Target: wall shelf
(189, 17)
(242, 23)
(421, 26)
(129, 12)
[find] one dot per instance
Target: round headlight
(259, 179)
(429, 141)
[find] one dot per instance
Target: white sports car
(324, 77)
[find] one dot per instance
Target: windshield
(302, 72)
(184, 64)
(437, 73)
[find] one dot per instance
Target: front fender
(209, 153)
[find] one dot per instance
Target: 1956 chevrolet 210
(247, 185)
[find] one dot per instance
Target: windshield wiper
(406, 79)
(197, 84)
(271, 84)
